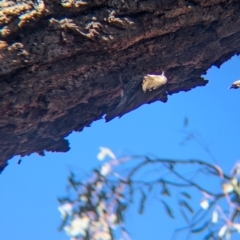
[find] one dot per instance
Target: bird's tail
(112, 114)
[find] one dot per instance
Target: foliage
(95, 208)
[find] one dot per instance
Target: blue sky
(28, 205)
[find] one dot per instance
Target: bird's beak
(232, 87)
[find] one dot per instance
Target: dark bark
(60, 63)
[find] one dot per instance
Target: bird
(235, 85)
(139, 90)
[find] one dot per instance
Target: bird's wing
(133, 84)
(134, 97)
(130, 89)
(139, 99)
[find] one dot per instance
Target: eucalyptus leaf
(168, 209)
(202, 228)
(64, 221)
(131, 191)
(186, 195)
(142, 202)
(186, 205)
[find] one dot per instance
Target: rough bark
(60, 61)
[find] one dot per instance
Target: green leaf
(186, 205)
(186, 195)
(168, 209)
(202, 228)
(142, 202)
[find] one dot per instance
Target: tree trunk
(60, 61)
